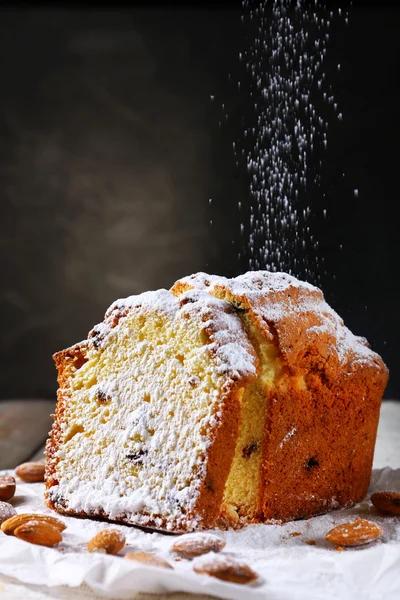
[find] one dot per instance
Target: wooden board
(24, 427)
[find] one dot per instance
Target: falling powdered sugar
(284, 129)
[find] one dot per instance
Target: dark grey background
(110, 149)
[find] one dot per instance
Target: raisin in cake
(220, 402)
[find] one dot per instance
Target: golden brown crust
(327, 463)
(66, 361)
(219, 460)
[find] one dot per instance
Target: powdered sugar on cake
(176, 453)
(228, 340)
(270, 296)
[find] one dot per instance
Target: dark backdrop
(110, 149)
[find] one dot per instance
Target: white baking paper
(289, 568)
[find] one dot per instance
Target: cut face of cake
(148, 412)
(218, 403)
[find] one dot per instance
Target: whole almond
(388, 502)
(10, 525)
(356, 533)
(196, 544)
(7, 488)
(39, 533)
(30, 472)
(225, 568)
(6, 511)
(148, 558)
(109, 541)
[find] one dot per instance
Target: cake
(148, 412)
(218, 403)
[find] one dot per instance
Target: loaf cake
(218, 403)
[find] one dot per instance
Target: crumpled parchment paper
(289, 567)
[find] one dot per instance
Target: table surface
(387, 453)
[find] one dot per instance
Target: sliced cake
(219, 403)
(148, 412)
(309, 420)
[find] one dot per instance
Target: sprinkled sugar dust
(286, 125)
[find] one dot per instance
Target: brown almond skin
(30, 472)
(232, 571)
(148, 558)
(355, 533)
(6, 511)
(196, 546)
(7, 488)
(10, 525)
(387, 502)
(39, 533)
(110, 541)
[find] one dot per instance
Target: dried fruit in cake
(221, 402)
(387, 501)
(355, 533)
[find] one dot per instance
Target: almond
(10, 525)
(39, 532)
(109, 541)
(191, 545)
(148, 558)
(225, 568)
(356, 533)
(6, 511)
(7, 488)
(388, 502)
(30, 472)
